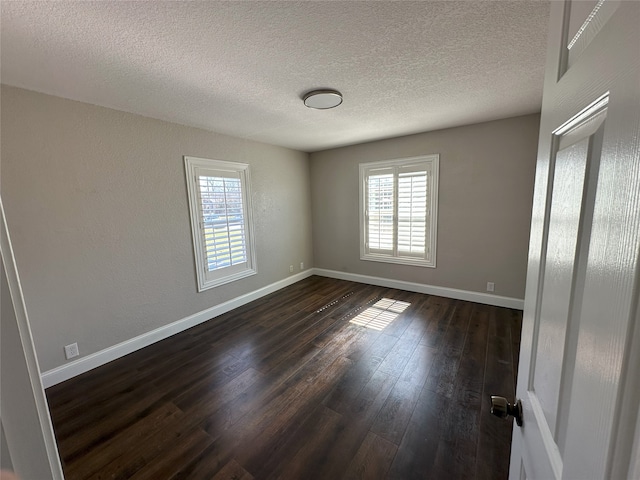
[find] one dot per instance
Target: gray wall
(5, 456)
(485, 197)
(96, 205)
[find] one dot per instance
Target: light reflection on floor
(381, 314)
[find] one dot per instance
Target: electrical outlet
(71, 351)
(491, 286)
(290, 268)
(301, 265)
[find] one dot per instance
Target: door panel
(580, 12)
(566, 206)
(586, 18)
(579, 350)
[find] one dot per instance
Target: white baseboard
(470, 296)
(84, 364)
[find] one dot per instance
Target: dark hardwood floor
(290, 387)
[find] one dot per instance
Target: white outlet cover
(71, 351)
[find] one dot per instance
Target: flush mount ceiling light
(322, 99)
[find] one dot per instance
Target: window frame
(432, 164)
(193, 167)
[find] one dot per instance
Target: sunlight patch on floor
(381, 314)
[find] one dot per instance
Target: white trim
(381, 257)
(84, 364)
(209, 279)
(432, 164)
(478, 297)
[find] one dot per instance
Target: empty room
(320, 240)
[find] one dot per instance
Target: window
(220, 206)
(398, 210)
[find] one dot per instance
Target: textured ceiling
(241, 68)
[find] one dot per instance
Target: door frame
(24, 409)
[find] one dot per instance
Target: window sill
(206, 285)
(416, 262)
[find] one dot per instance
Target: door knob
(501, 408)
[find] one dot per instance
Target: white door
(580, 355)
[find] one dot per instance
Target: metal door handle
(503, 409)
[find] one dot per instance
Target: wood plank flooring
(289, 387)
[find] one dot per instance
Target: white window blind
(412, 212)
(380, 195)
(220, 217)
(223, 227)
(399, 210)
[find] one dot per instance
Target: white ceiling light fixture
(322, 99)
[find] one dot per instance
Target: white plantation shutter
(412, 212)
(220, 216)
(399, 210)
(222, 229)
(380, 211)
